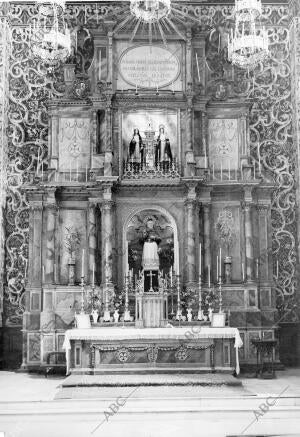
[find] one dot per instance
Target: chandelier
(247, 45)
(150, 11)
(50, 37)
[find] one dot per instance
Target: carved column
(263, 241)
(51, 209)
(248, 233)
(92, 238)
(190, 205)
(206, 238)
(35, 243)
(107, 237)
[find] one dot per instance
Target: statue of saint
(163, 151)
(150, 258)
(136, 148)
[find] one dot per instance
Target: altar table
(190, 347)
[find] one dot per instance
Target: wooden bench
(56, 363)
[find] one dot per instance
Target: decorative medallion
(152, 354)
(81, 88)
(181, 353)
(123, 355)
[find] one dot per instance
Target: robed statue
(163, 151)
(150, 256)
(136, 148)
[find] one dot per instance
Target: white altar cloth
(192, 332)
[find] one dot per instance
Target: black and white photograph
(150, 218)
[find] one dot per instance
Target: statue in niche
(150, 256)
(163, 153)
(136, 148)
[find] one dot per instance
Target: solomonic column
(92, 238)
(51, 210)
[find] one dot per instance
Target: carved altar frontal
(100, 350)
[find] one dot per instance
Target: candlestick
(200, 313)
(258, 154)
(200, 260)
(217, 268)
(93, 276)
(257, 268)
(208, 275)
(171, 277)
(82, 264)
(243, 272)
(220, 260)
(43, 274)
(198, 71)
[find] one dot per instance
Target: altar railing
(160, 170)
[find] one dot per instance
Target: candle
(217, 268)
(220, 269)
(256, 267)
(171, 277)
(54, 272)
(208, 275)
(243, 272)
(82, 264)
(38, 163)
(213, 170)
(136, 88)
(93, 276)
(198, 71)
(258, 154)
(43, 274)
(200, 260)
(157, 89)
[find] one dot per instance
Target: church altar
(191, 348)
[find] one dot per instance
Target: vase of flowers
(72, 243)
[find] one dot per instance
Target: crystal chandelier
(247, 45)
(150, 10)
(50, 37)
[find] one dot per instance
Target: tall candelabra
(82, 295)
(220, 294)
(179, 311)
(200, 312)
(106, 316)
(127, 317)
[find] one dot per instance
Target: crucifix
(151, 275)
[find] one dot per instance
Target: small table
(264, 348)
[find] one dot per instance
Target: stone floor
(28, 408)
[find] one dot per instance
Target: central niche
(150, 239)
(150, 140)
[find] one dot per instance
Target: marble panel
(34, 347)
(233, 298)
(48, 345)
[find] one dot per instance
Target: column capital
(106, 205)
(246, 206)
(247, 193)
(190, 203)
(262, 208)
(36, 205)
